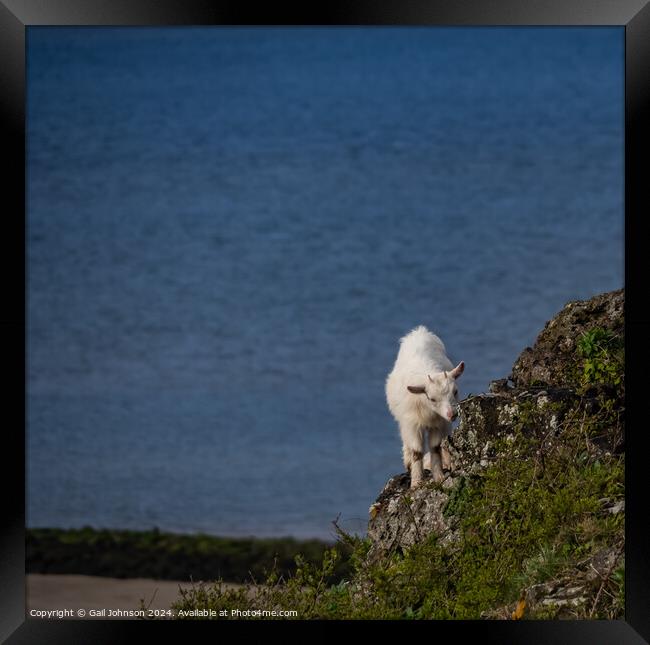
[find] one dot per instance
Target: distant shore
(157, 555)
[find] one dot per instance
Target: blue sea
(229, 229)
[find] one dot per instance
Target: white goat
(422, 396)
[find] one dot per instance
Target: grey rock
(401, 517)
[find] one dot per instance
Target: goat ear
(458, 370)
(416, 389)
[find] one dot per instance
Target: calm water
(229, 230)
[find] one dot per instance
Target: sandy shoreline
(74, 592)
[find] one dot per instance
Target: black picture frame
(17, 15)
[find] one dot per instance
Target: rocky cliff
(537, 468)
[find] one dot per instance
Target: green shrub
(602, 357)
